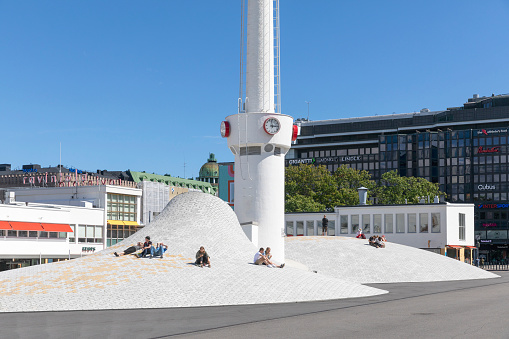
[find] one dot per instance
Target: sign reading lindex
(324, 160)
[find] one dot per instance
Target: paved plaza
(103, 281)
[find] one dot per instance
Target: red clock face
(225, 129)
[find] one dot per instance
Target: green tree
(394, 189)
(301, 203)
(311, 183)
(348, 180)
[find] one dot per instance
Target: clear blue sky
(144, 85)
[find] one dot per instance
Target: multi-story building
(34, 233)
(120, 205)
(463, 149)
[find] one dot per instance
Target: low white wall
(448, 213)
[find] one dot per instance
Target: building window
(90, 234)
(412, 223)
(423, 223)
(435, 222)
(400, 223)
(462, 226)
(289, 228)
(343, 220)
(300, 227)
(366, 224)
(310, 227)
(355, 223)
(331, 228)
(389, 223)
(377, 223)
(121, 207)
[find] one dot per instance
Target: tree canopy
(311, 188)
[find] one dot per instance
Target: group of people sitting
(264, 258)
(147, 249)
(377, 241)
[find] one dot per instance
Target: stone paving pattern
(190, 220)
(354, 260)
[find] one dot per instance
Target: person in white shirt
(261, 259)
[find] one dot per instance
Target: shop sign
(502, 246)
(495, 149)
(492, 131)
(327, 160)
(486, 187)
(493, 206)
(485, 241)
(351, 158)
(489, 224)
(88, 249)
(29, 170)
(73, 179)
(301, 161)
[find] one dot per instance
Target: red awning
(57, 227)
(454, 246)
(470, 247)
(4, 225)
(26, 226)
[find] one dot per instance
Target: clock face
(271, 126)
(225, 129)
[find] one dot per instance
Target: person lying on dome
(130, 250)
(202, 258)
(160, 249)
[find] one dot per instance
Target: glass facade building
(463, 149)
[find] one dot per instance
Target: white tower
(259, 137)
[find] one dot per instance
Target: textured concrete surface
(102, 281)
(356, 261)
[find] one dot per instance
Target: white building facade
(121, 207)
(443, 227)
(34, 233)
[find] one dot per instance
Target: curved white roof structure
(355, 260)
(190, 220)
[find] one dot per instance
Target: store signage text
(29, 170)
(88, 249)
(70, 180)
(486, 187)
(301, 161)
(493, 206)
(492, 131)
(351, 158)
(488, 150)
(489, 224)
(486, 241)
(326, 160)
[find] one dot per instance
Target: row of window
(33, 234)
(86, 234)
(339, 152)
(121, 207)
(390, 223)
(117, 233)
